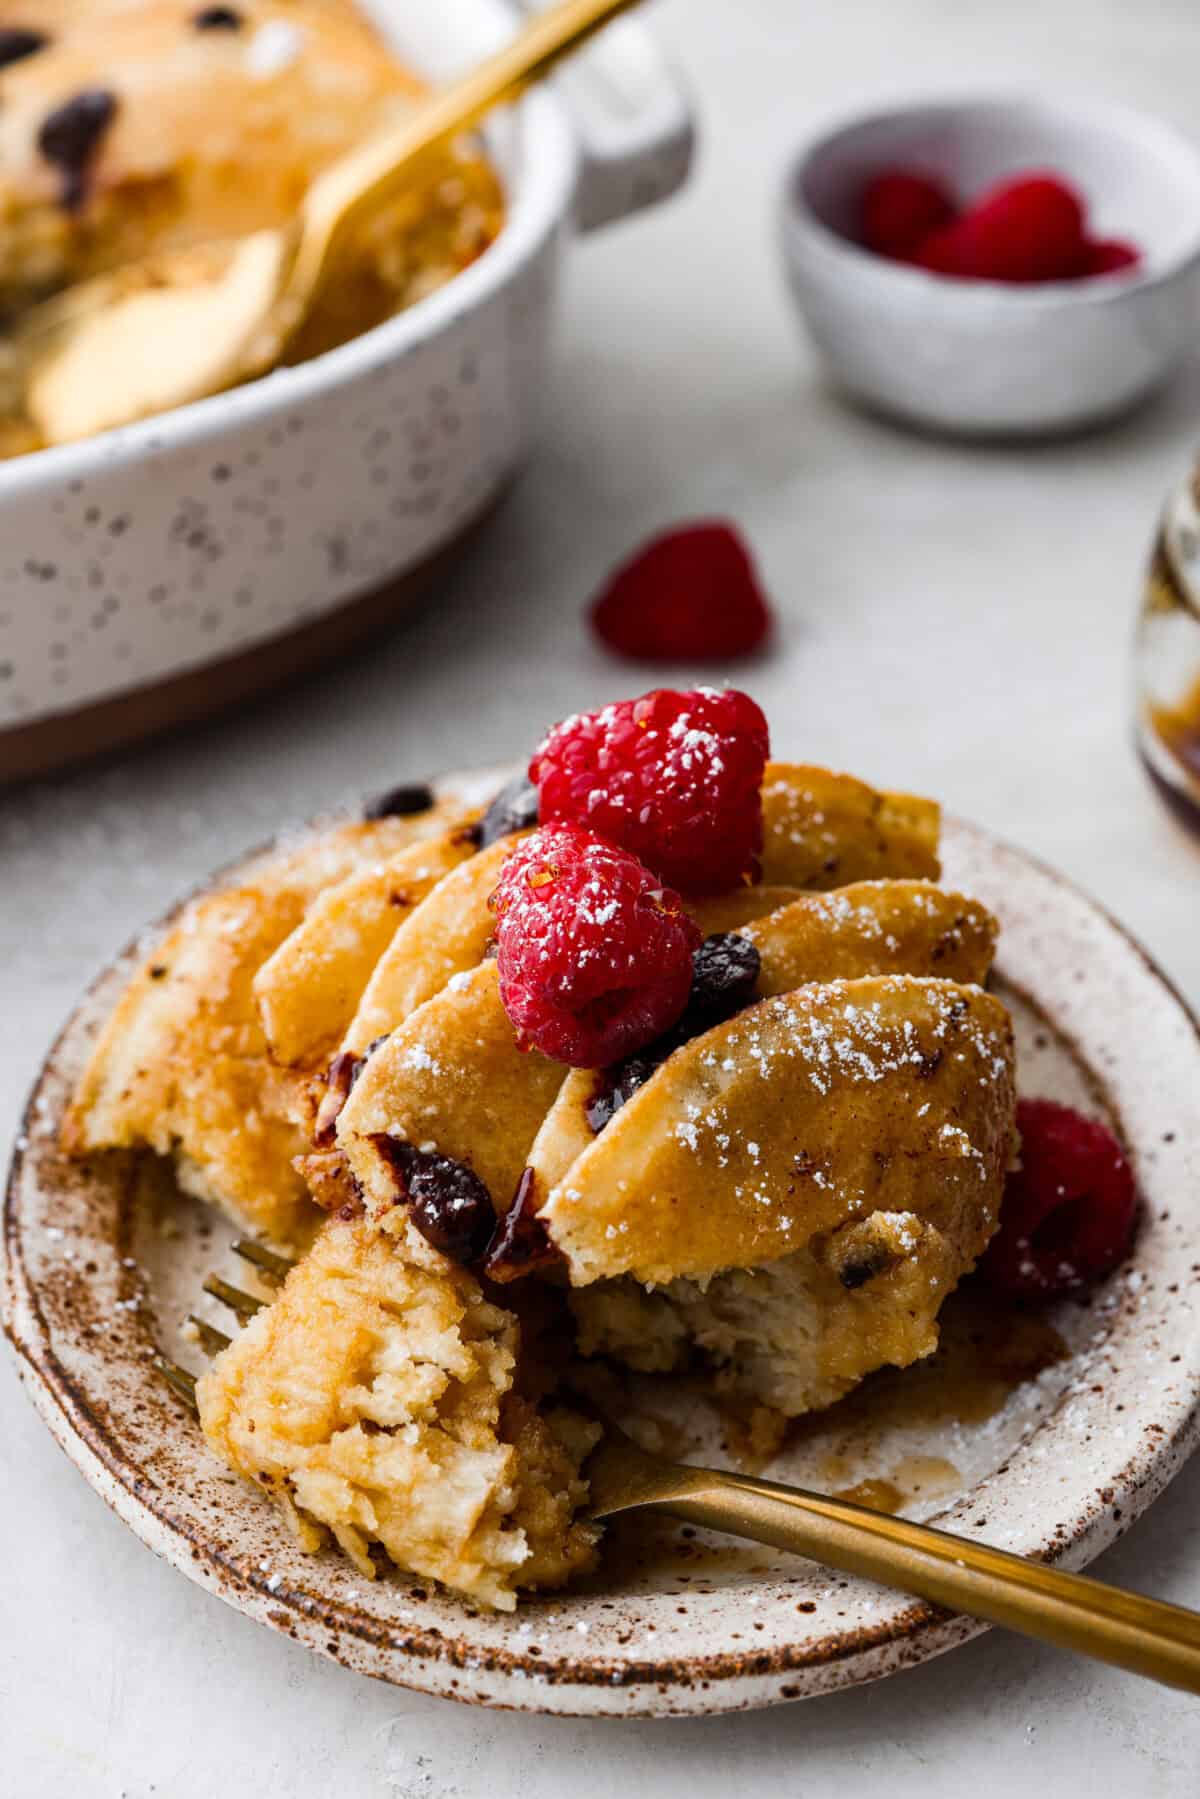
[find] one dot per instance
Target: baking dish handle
(632, 117)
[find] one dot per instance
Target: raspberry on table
(689, 595)
(594, 953)
(899, 210)
(1068, 1211)
(673, 777)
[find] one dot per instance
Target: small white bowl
(985, 357)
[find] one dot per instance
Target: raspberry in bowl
(1005, 329)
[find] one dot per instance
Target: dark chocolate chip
(447, 1201)
(725, 972)
(340, 1078)
(618, 1084)
(522, 1244)
(70, 135)
(858, 1273)
(515, 808)
(217, 18)
(16, 44)
(400, 802)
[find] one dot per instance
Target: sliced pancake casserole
(673, 1056)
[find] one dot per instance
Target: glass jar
(1168, 657)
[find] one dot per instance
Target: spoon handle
(367, 177)
(1073, 1611)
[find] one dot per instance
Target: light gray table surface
(953, 620)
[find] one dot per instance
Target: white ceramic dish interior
(191, 539)
(982, 357)
(102, 1267)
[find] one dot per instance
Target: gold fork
(1072, 1611)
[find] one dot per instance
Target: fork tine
(272, 1267)
(244, 1304)
(179, 1381)
(211, 1340)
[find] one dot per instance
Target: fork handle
(1073, 1611)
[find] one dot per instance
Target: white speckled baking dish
(156, 572)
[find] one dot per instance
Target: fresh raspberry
(1108, 256)
(900, 209)
(949, 251)
(674, 777)
(595, 954)
(1030, 229)
(1068, 1211)
(691, 595)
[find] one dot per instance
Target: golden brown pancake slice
(873, 927)
(719, 912)
(825, 830)
(309, 989)
(448, 933)
(450, 1077)
(804, 1112)
(182, 1066)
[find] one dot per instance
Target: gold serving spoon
(1072, 1611)
(190, 323)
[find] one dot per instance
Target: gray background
(953, 620)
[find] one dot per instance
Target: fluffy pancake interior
(377, 1399)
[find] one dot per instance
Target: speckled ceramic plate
(1046, 1436)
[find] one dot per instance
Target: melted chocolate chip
(447, 1201)
(16, 44)
(515, 808)
(858, 1273)
(217, 18)
(619, 1084)
(400, 802)
(340, 1078)
(522, 1243)
(70, 136)
(725, 972)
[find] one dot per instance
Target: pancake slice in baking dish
(451, 1078)
(182, 1065)
(825, 830)
(309, 990)
(378, 1399)
(795, 1193)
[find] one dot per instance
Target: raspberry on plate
(673, 777)
(899, 210)
(691, 594)
(594, 953)
(1068, 1211)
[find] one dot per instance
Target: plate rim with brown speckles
(1111, 1444)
